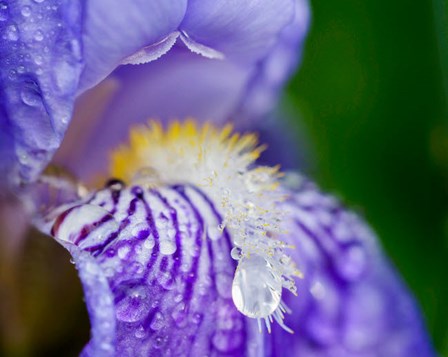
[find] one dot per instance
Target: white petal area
(152, 52)
(200, 49)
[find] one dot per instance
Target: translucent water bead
(256, 289)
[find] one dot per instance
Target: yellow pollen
(152, 146)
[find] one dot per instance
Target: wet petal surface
(40, 61)
(351, 301)
(149, 257)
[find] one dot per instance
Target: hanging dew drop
(256, 289)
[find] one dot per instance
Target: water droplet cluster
(40, 55)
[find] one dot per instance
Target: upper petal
(351, 301)
(115, 30)
(40, 61)
(242, 30)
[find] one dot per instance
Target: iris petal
(115, 30)
(242, 30)
(351, 301)
(157, 273)
(40, 61)
(163, 277)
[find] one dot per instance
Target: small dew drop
(159, 342)
(39, 1)
(12, 74)
(146, 176)
(4, 12)
(123, 251)
(12, 33)
(38, 60)
(39, 35)
(157, 322)
(140, 332)
(167, 247)
(30, 97)
(149, 243)
(256, 289)
(235, 253)
(26, 11)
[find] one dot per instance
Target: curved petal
(114, 30)
(157, 273)
(272, 72)
(351, 301)
(242, 30)
(40, 61)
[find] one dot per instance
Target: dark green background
(371, 94)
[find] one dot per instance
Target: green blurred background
(372, 93)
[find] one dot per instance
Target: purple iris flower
(217, 60)
(193, 249)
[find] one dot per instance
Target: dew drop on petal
(26, 11)
(235, 253)
(4, 12)
(149, 243)
(140, 332)
(134, 306)
(39, 35)
(157, 322)
(30, 97)
(12, 33)
(256, 289)
(167, 247)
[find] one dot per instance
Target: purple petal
(157, 274)
(115, 30)
(351, 301)
(40, 63)
(242, 30)
(274, 70)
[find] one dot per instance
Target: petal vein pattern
(170, 276)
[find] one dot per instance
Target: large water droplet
(38, 1)
(256, 289)
(134, 306)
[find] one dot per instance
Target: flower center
(247, 196)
